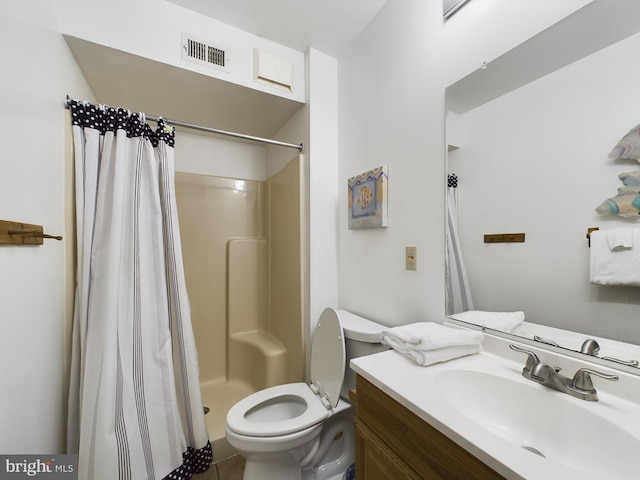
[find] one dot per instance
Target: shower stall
(242, 217)
(242, 249)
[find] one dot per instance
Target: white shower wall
(243, 256)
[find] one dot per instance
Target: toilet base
(322, 453)
(340, 450)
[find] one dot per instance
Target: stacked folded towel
(503, 321)
(427, 343)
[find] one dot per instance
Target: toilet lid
(328, 357)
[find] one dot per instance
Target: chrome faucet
(580, 386)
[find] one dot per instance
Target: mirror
(528, 138)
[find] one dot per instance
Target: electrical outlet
(411, 257)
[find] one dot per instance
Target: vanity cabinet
(394, 443)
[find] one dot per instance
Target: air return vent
(272, 70)
(198, 51)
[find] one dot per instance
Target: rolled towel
(425, 336)
(504, 321)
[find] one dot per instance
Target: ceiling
(326, 25)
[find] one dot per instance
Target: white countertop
(418, 389)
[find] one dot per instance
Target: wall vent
(272, 70)
(198, 51)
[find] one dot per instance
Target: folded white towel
(504, 321)
(429, 357)
(430, 336)
(620, 238)
(613, 267)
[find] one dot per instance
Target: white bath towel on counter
(503, 321)
(429, 357)
(427, 343)
(614, 267)
(430, 336)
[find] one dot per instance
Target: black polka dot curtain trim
(194, 461)
(108, 119)
(452, 181)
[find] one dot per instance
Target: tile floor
(231, 468)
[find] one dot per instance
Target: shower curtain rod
(177, 123)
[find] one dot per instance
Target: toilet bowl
(300, 431)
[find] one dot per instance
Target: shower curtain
(458, 294)
(135, 409)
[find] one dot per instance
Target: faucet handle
(582, 379)
(630, 363)
(590, 347)
(532, 359)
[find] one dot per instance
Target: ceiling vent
(198, 51)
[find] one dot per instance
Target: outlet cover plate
(411, 257)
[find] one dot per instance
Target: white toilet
(299, 431)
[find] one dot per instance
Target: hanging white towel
(613, 267)
(620, 238)
(503, 321)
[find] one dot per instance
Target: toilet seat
(239, 418)
(288, 408)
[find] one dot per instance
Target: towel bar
(16, 233)
(504, 238)
(589, 230)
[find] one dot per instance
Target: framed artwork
(368, 199)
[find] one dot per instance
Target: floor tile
(210, 474)
(231, 468)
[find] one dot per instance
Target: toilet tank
(362, 337)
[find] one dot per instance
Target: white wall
(392, 113)
(322, 73)
(535, 161)
(209, 155)
(38, 71)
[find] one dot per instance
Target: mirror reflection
(532, 157)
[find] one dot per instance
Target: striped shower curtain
(135, 410)
(458, 293)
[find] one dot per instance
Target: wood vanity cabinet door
(394, 443)
(376, 461)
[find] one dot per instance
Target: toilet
(299, 431)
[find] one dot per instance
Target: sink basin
(546, 423)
